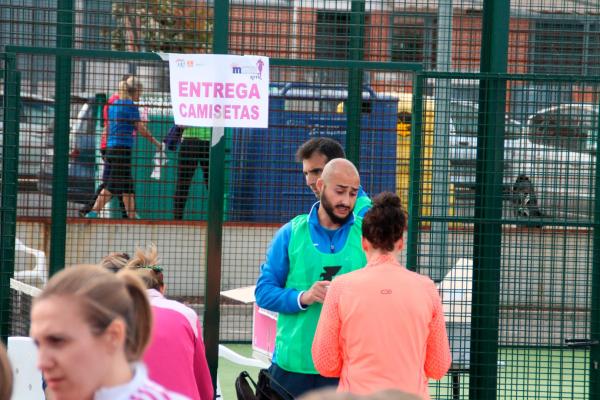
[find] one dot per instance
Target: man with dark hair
(304, 256)
(314, 154)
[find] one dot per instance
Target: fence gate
(503, 215)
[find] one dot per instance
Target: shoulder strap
(245, 390)
(266, 379)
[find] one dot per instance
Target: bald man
(304, 256)
(314, 154)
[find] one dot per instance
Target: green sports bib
(295, 332)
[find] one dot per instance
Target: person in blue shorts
(123, 119)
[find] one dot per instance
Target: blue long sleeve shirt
(362, 193)
(271, 293)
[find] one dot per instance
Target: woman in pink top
(382, 327)
(175, 356)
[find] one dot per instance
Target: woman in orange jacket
(382, 327)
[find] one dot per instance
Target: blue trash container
(267, 184)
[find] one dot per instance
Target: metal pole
(58, 228)
(355, 82)
(487, 233)
(594, 384)
(415, 181)
(216, 185)
(8, 206)
(439, 178)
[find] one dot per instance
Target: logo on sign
(255, 71)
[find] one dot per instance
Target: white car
(553, 167)
(549, 164)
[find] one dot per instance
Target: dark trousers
(191, 153)
(88, 207)
(297, 384)
(106, 172)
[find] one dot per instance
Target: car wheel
(524, 199)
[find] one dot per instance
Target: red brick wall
(261, 31)
(466, 40)
(518, 42)
(269, 31)
(377, 34)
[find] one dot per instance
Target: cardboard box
(264, 323)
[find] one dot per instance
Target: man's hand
(316, 293)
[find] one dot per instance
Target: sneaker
(91, 214)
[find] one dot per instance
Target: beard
(329, 209)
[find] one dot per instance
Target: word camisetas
(218, 90)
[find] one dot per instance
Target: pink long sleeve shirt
(175, 357)
(382, 327)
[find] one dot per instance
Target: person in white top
(139, 388)
(91, 328)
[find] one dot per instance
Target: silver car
(554, 166)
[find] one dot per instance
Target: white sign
(220, 90)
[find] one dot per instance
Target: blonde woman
(91, 328)
(123, 119)
(175, 357)
(115, 261)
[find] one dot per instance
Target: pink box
(264, 329)
(264, 323)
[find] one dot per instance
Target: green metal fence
(502, 210)
(511, 232)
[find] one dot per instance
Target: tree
(178, 26)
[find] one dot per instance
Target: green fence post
(216, 183)
(440, 263)
(414, 184)
(9, 185)
(594, 384)
(355, 82)
(60, 167)
(487, 235)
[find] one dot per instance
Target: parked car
(35, 119)
(549, 164)
(554, 166)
